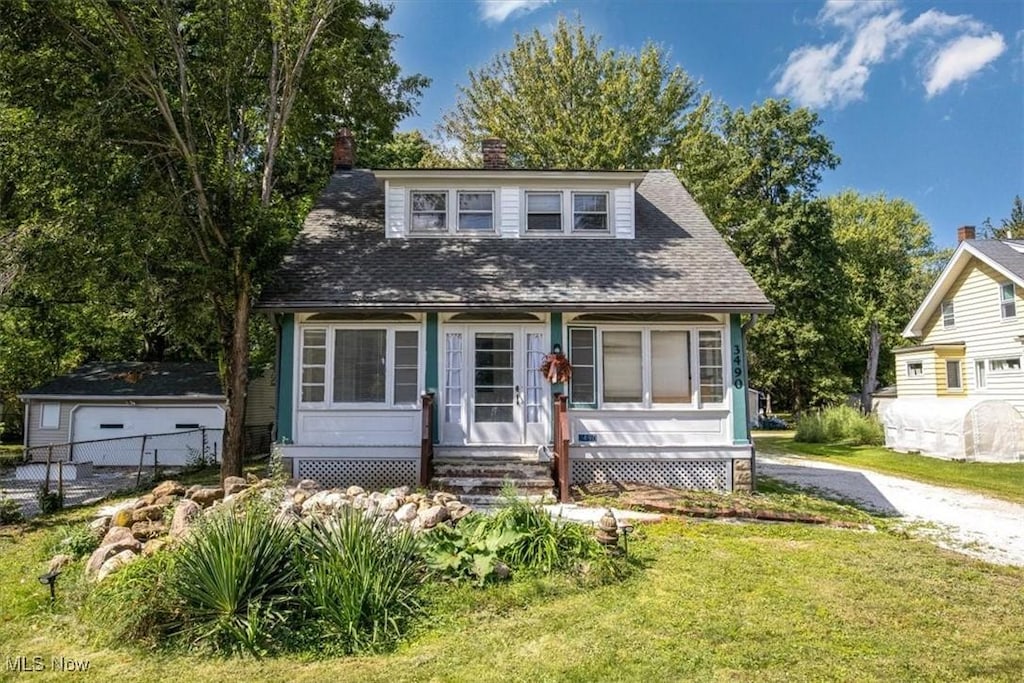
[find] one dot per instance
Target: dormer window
(589, 212)
(476, 212)
(429, 211)
(543, 212)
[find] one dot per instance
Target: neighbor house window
(1004, 364)
(360, 366)
(622, 370)
(429, 211)
(1007, 300)
(712, 386)
(314, 365)
(915, 369)
(49, 416)
(589, 212)
(476, 212)
(583, 356)
(953, 375)
(948, 317)
(979, 374)
(543, 212)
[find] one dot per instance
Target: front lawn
(1000, 480)
(732, 601)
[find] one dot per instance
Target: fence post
(142, 454)
(202, 431)
(60, 479)
(49, 459)
(156, 464)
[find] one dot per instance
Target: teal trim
(433, 361)
(556, 338)
(285, 378)
(738, 379)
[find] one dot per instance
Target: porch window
(712, 387)
(543, 212)
(476, 212)
(1011, 364)
(407, 353)
(583, 356)
(360, 366)
(622, 368)
(429, 211)
(670, 366)
(589, 212)
(314, 364)
(1007, 300)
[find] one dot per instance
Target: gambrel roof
(677, 260)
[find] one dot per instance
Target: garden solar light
(50, 579)
(625, 530)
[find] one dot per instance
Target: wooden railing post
(562, 439)
(427, 440)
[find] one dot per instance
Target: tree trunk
(237, 381)
(870, 382)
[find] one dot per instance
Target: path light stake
(625, 530)
(50, 579)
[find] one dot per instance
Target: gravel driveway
(973, 524)
(80, 492)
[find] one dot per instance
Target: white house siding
(36, 435)
(383, 427)
(650, 428)
(509, 211)
(395, 221)
(623, 212)
(986, 335)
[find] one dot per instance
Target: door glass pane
(622, 374)
(453, 377)
(494, 388)
(670, 366)
(359, 366)
(534, 381)
(407, 352)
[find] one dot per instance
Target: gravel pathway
(970, 523)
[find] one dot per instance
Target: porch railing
(562, 438)
(427, 440)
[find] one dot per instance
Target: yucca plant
(360, 580)
(236, 578)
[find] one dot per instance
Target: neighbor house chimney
(965, 232)
(344, 150)
(494, 153)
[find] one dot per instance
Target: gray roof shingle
(1002, 253)
(128, 379)
(677, 260)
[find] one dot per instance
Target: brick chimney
(965, 232)
(494, 153)
(344, 150)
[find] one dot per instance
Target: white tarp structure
(955, 429)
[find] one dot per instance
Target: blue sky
(923, 100)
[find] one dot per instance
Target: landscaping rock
(165, 501)
(121, 518)
(192, 489)
(116, 534)
(251, 478)
(148, 530)
(114, 563)
(459, 512)
(433, 516)
(207, 496)
(300, 497)
(389, 503)
(105, 552)
(353, 491)
(234, 485)
(406, 513)
(154, 546)
(399, 492)
(98, 527)
(169, 488)
(145, 501)
(443, 497)
(184, 515)
(309, 486)
(148, 513)
(58, 562)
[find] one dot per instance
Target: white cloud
(497, 11)
(872, 33)
(961, 59)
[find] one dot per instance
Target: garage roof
(134, 380)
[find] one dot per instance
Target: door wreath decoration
(556, 368)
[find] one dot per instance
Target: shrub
(76, 541)
(236, 579)
(468, 551)
(360, 580)
(839, 423)
(49, 501)
(10, 511)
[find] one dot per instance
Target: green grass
(10, 455)
(717, 601)
(1002, 480)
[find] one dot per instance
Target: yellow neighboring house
(957, 388)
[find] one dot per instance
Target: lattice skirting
(708, 475)
(377, 475)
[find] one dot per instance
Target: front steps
(479, 475)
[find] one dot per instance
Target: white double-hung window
(347, 365)
(645, 367)
(1008, 300)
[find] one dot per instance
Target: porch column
(431, 378)
(285, 376)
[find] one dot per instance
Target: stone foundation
(741, 475)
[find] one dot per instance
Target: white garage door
(110, 427)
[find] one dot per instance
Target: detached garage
(99, 407)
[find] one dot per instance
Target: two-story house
(417, 308)
(960, 389)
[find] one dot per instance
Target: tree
(755, 174)
(1009, 228)
(404, 150)
(887, 256)
(564, 102)
(227, 110)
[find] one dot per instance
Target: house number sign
(737, 367)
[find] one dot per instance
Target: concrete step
(460, 485)
(487, 503)
(484, 453)
(501, 470)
